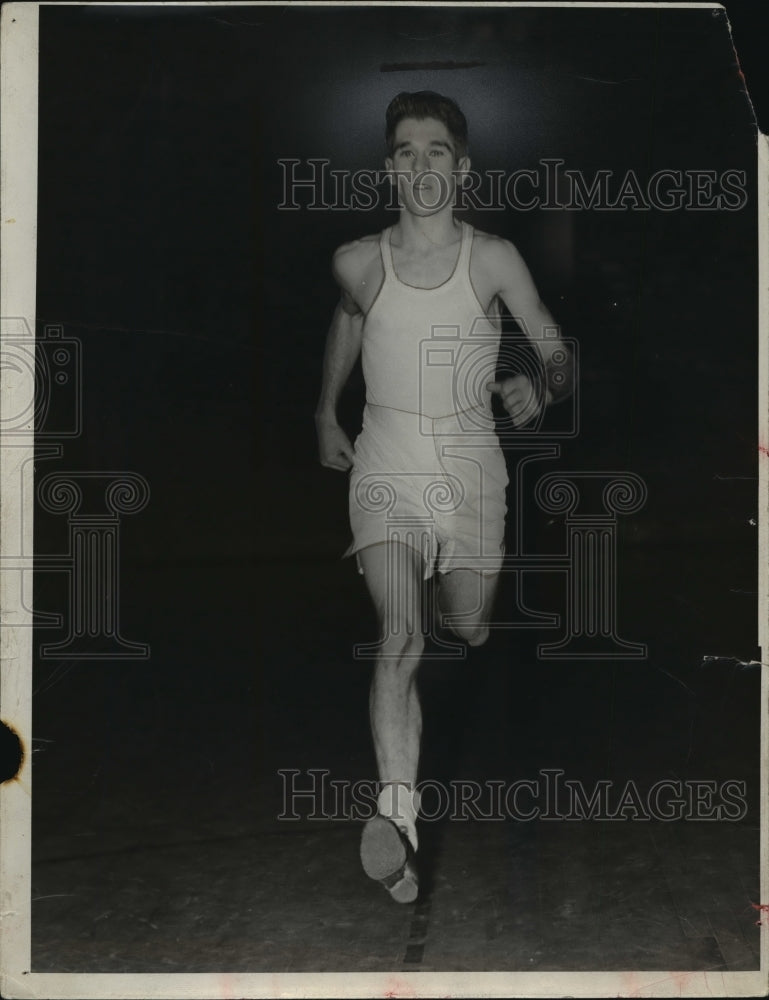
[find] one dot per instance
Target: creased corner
(739, 68)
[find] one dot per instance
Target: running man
(428, 478)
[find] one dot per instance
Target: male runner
(428, 478)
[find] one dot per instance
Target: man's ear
(463, 166)
(389, 167)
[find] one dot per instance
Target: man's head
(427, 104)
(427, 147)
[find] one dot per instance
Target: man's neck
(423, 232)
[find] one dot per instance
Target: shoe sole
(383, 854)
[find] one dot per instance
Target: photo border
(18, 169)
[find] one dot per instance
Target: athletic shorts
(437, 485)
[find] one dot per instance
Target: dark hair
(427, 104)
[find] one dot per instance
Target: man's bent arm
(521, 297)
(558, 378)
(343, 345)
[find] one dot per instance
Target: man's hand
(519, 398)
(334, 446)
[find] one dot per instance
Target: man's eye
(437, 152)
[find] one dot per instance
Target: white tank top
(429, 350)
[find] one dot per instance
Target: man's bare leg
(393, 574)
(469, 594)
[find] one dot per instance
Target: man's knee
(404, 647)
(473, 635)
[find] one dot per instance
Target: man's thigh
(394, 576)
(467, 596)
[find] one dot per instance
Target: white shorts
(437, 485)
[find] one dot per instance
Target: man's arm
(343, 344)
(517, 290)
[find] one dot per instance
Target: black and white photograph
(384, 427)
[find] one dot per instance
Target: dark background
(202, 313)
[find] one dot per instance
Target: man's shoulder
(496, 257)
(351, 259)
(362, 249)
(491, 246)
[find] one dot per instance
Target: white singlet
(428, 469)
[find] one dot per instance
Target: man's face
(425, 165)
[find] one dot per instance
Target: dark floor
(567, 896)
(157, 846)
